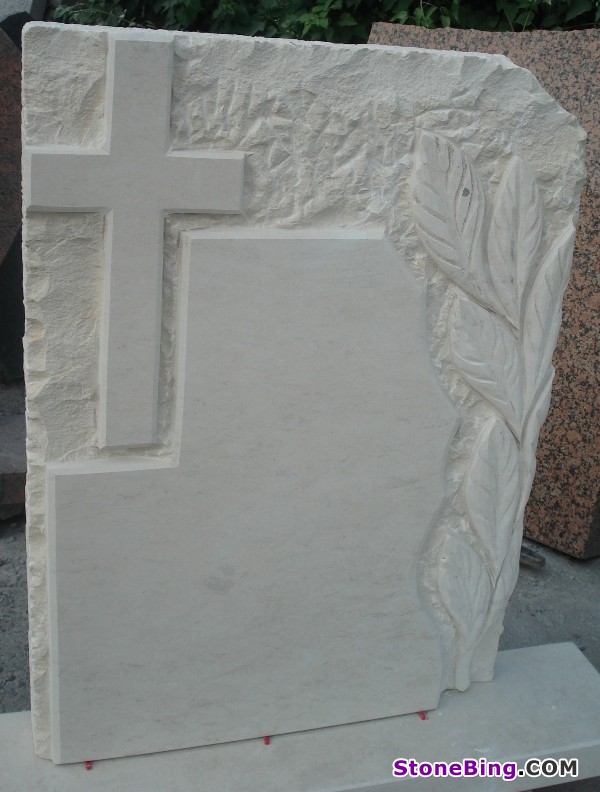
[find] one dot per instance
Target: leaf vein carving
(502, 328)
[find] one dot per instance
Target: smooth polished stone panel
(544, 702)
(283, 594)
(352, 373)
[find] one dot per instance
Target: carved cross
(134, 180)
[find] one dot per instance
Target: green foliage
(331, 20)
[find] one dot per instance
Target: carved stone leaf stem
(465, 590)
(502, 330)
(448, 207)
(542, 318)
(486, 354)
(493, 488)
(529, 440)
(485, 651)
(514, 238)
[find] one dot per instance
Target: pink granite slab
(564, 508)
(10, 142)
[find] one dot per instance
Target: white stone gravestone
(290, 316)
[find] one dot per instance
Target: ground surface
(14, 671)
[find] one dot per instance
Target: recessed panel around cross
(266, 580)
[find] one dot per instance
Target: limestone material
(544, 703)
(349, 394)
(290, 497)
(133, 185)
(564, 507)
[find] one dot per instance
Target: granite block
(564, 507)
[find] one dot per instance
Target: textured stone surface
(135, 185)
(10, 143)
(564, 508)
(441, 157)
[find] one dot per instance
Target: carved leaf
(487, 646)
(530, 437)
(493, 485)
(543, 312)
(485, 352)
(464, 585)
(514, 238)
(507, 579)
(448, 207)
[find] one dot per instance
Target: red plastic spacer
(266, 740)
(88, 764)
(422, 714)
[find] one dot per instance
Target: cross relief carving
(134, 185)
